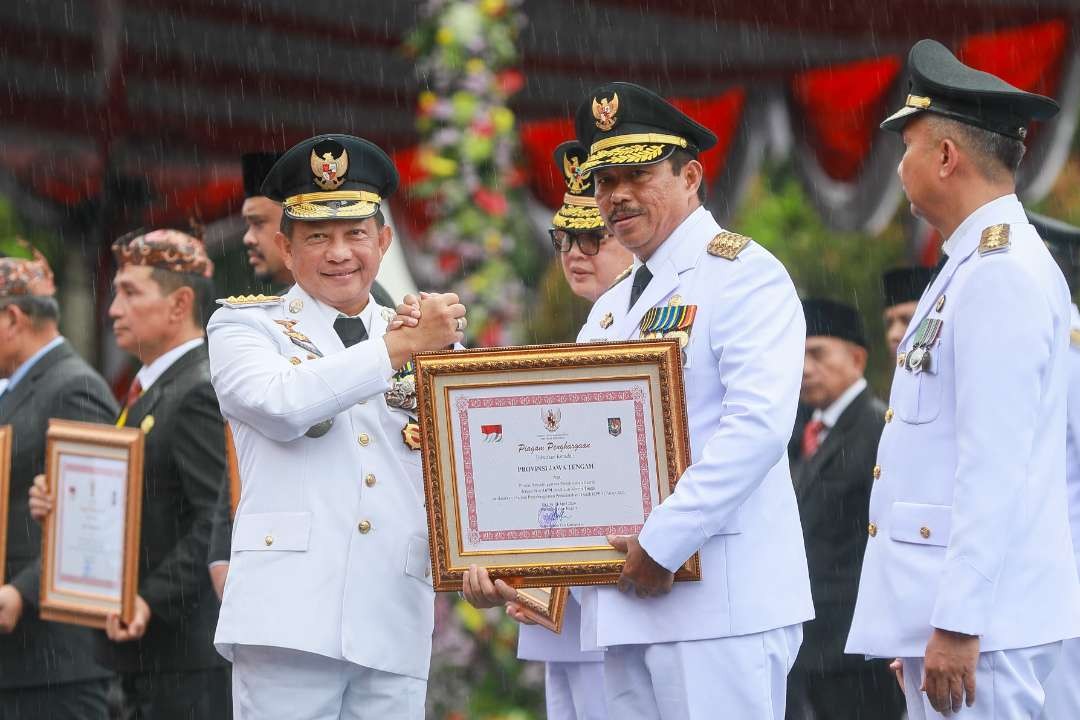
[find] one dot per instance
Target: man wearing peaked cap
(262, 216)
(901, 289)
(683, 649)
(969, 578)
(164, 657)
(328, 606)
(1063, 240)
(832, 452)
(47, 669)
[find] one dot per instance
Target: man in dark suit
(165, 657)
(46, 670)
(832, 453)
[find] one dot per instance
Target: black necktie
(350, 330)
(641, 280)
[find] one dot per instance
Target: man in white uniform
(723, 645)
(969, 577)
(328, 605)
(1063, 686)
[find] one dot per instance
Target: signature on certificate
(550, 514)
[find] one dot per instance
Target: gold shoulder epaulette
(728, 245)
(621, 276)
(1074, 338)
(246, 301)
(994, 239)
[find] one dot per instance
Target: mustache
(622, 213)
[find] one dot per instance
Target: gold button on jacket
(364, 527)
(877, 472)
(369, 480)
(269, 540)
(889, 415)
(363, 439)
(871, 529)
(925, 532)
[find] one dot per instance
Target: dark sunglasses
(588, 241)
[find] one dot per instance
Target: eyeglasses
(588, 241)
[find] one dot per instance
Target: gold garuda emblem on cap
(604, 111)
(330, 171)
(575, 179)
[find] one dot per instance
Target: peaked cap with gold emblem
(625, 124)
(943, 85)
(166, 249)
(331, 177)
(578, 211)
(26, 276)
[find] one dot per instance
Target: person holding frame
(734, 309)
(46, 669)
(165, 658)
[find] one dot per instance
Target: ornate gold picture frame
(5, 489)
(544, 606)
(90, 540)
(533, 455)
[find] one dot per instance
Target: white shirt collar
(1006, 208)
(669, 246)
(149, 374)
(831, 414)
(366, 314)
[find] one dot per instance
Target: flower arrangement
(480, 243)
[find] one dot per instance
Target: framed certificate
(232, 463)
(90, 542)
(544, 605)
(534, 455)
(5, 489)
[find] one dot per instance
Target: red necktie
(133, 394)
(811, 437)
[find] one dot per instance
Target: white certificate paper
(90, 532)
(553, 465)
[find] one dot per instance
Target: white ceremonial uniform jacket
(1072, 438)
(735, 503)
(968, 521)
(539, 643)
(329, 548)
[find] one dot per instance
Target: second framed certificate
(534, 455)
(90, 542)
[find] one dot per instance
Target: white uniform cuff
(670, 537)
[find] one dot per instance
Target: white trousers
(742, 677)
(575, 691)
(1063, 685)
(1008, 685)
(272, 683)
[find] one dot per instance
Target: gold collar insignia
(994, 239)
